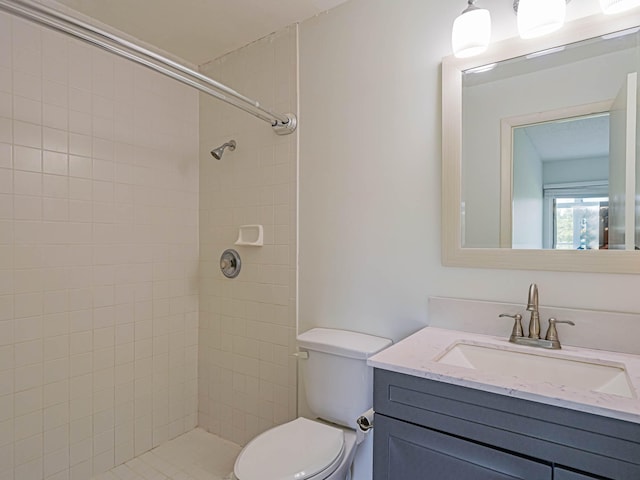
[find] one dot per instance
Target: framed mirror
(540, 151)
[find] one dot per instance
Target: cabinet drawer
(406, 451)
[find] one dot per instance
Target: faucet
(551, 339)
(532, 306)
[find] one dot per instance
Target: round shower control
(230, 263)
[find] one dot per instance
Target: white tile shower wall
(247, 377)
(98, 257)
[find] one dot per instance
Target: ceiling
(200, 30)
(579, 138)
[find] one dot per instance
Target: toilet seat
(298, 450)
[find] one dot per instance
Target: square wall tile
(245, 328)
(77, 245)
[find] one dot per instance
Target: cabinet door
(562, 474)
(406, 451)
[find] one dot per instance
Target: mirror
(539, 151)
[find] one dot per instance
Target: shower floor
(196, 455)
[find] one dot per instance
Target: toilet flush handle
(301, 355)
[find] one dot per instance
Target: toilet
(339, 388)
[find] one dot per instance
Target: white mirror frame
(453, 254)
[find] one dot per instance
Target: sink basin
(566, 371)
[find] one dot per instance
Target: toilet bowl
(339, 387)
(298, 450)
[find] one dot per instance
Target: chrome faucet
(551, 339)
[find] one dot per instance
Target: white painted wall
(370, 156)
(527, 193)
(576, 170)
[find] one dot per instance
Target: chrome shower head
(217, 152)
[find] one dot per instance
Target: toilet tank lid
(342, 342)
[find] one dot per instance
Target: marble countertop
(417, 355)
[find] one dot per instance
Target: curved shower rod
(282, 124)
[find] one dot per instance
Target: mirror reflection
(549, 148)
(560, 194)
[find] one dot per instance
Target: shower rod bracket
(286, 128)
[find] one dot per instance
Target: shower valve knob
(230, 263)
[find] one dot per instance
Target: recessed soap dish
(251, 235)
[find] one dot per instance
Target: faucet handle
(552, 333)
(517, 325)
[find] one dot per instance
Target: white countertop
(416, 355)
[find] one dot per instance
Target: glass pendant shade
(539, 17)
(617, 6)
(471, 32)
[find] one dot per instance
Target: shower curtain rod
(282, 124)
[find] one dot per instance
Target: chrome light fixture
(540, 17)
(616, 6)
(471, 31)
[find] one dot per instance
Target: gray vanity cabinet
(562, 474)
(414, 452)
(431, 430)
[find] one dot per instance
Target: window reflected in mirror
(580, 223)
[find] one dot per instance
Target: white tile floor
(196, 455)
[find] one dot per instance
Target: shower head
(217, 152)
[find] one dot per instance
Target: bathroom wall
(98, 257)
(528, 205)
(247, 378)
(370, 156)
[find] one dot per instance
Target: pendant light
(617, 6)
(539, 17)
(471, 31)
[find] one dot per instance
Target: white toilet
(339, 388)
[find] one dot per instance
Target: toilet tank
(337, 381)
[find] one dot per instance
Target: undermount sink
(571, 372)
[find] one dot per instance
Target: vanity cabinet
(562, 474)
(426, 429)
(417, 452)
